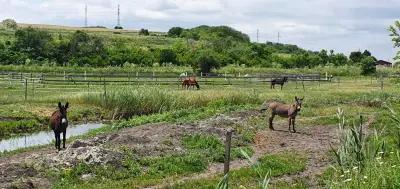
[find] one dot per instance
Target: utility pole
(119, 21)
(279, 36)
(86, 23)
(257, 35)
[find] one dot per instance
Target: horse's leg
(271, 119)
(64, 135)
(281, 86)
(290, 122)
(293, 120)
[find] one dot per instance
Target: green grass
(277, 164)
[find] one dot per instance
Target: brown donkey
(59, 124)
(283, 110)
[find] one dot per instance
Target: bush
(368, 66)
(9, 23)
(175, 32)
(144, 32)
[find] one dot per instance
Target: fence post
(105, 91)
(26, 89)
(85, 75)
(33, 88)
(227, 154)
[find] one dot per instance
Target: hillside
(203, 48)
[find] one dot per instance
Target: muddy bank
(146, 140)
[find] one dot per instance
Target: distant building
(383, 64)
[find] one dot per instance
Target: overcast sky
(342, 25)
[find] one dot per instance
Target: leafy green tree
(87, 50)
(395, 34)
(368, 65)
(168, 56)
(34, 42)
(356, 57)
(204, 61)
(9, 23)
(175, 32)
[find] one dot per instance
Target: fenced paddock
(31, 85)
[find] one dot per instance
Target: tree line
(204, 48)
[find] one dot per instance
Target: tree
(84, 49)
(366, 53)
(356, 56)
(175, 32)
(168, 56)
(33, 41)
(144, 32)
(368, 65)
(205, 61)
(395, 34)
(9, 23)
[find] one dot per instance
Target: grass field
(136, 105)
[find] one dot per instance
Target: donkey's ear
(66, 105)
(59, 105)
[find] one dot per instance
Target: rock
(79, 143)
(87, 176)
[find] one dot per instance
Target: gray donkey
(283, 110)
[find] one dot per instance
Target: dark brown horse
(279, 81)
(190, 82)
(284, 110)
(59, 124)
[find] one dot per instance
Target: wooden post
(105, 90)
(33, 88)
(227, 153)
(85, 75)
(26, 89)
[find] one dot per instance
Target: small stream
(44, 137)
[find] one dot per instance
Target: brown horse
(190, 82)
(284, 110)
(59, 124)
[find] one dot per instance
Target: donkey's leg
(271, 119)
(55, 137)
(58, 141)
(293, 120)
(281, 86)
(64, 137)
(290, 122)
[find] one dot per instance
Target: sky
(341, 25)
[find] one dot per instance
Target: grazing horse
(279, 81)
(190, 82)
(284, 110)
(59, 124)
